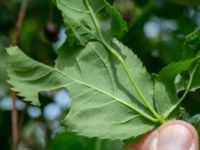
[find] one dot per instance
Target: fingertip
(185, 127)
(176, 134)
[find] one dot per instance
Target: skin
(144, 142)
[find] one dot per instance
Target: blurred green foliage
(68, 141)
(157, 30)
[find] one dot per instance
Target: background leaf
(196, 80)
(191, 45)
(166, 93)
(191, 48)
(69, 141)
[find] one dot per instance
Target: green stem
(98, 144)
(145, 101)
(185, 93)
(116, 54)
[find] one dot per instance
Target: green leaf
(191, 46)
(195, 121)
(100, 77)
(30, 77)
(79, 22)
(142, 80)
(100, 36)
(165, 91)
(69, 141)
(191, 49)
(90, 7)
(195, 84)
(167, 75)
(108, 91)
(90, 79)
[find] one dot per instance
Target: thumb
(174, 135)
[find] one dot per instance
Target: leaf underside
(91, 84)
(97, 75)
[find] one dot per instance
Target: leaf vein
(74, 9)
(109, 95)
(110, 75)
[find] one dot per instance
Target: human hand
(174, 135)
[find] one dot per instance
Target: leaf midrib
(107, 46)
(107, 94)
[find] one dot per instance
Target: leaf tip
(12, 50)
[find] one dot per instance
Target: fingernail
(174, 137)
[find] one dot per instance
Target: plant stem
(15, 41)
(98, 144)
(185, 93)
(19, 22)
(14, 121)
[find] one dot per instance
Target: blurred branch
(14, 121)
(15, 41)
(19, 22)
